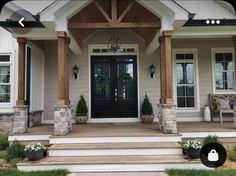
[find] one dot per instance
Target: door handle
(115, 94)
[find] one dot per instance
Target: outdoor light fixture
(113, 43)
(75, 71)
(152, 70)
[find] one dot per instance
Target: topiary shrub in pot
(147, 111)
(81, 111)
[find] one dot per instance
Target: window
(5, 85)
(185, 79)
(223, 75)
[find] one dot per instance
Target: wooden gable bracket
(114, 21)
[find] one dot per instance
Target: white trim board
(29, 138)
(204, 134)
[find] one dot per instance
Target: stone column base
(20, 123)
(167, 118)
(62, 120)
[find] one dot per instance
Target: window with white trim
(185, 80)
(5, 83)
(224, 70)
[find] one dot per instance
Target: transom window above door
(185, 79)
(223, 70)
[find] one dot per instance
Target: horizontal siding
(148, 86)
(203, 47)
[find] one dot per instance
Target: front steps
(113, 154)
(116, 149)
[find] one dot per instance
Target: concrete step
(79, 140)
(112, 164)
(106, 149)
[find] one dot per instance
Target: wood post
(166, 71)
(234, 42)
(21, 71)
(63, 70)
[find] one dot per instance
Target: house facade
(191, 45)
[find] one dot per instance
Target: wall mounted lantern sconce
(152, 70)
(75, 71)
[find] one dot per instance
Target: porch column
(21, 110)
(167, 109)
(62, 112)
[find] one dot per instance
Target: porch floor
(133, 129)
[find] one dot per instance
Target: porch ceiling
(114, 14)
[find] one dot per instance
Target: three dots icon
(212, 21)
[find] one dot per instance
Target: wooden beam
(63, 71)
(166, 69)
(21, 71)
(114, 10)
(114, 25)
(99, 7)
(127, 9)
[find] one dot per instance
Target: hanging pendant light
(113, 43)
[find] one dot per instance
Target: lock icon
(213, 155)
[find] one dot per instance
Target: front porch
(120, 147)
(200, 129)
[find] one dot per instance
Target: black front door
(113, 86)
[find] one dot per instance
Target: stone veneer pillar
(167, 118)
(62, 120)
(20, 123)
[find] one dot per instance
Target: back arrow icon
(20, 22)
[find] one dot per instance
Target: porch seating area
(221, 104)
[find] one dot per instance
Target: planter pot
(34, 156)
(193, 153)
(81, 119)
(147, 118)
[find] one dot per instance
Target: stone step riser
(116, 152)
(113, 167)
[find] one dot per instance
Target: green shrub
(3, 142)
(146, 108)
(16, 150)
(81, 108)
(232, 154)
(13, 162)
(211, 139)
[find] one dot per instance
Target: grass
(176, 172)
(14, 172)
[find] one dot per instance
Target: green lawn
(14, 172)
(174, 172)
